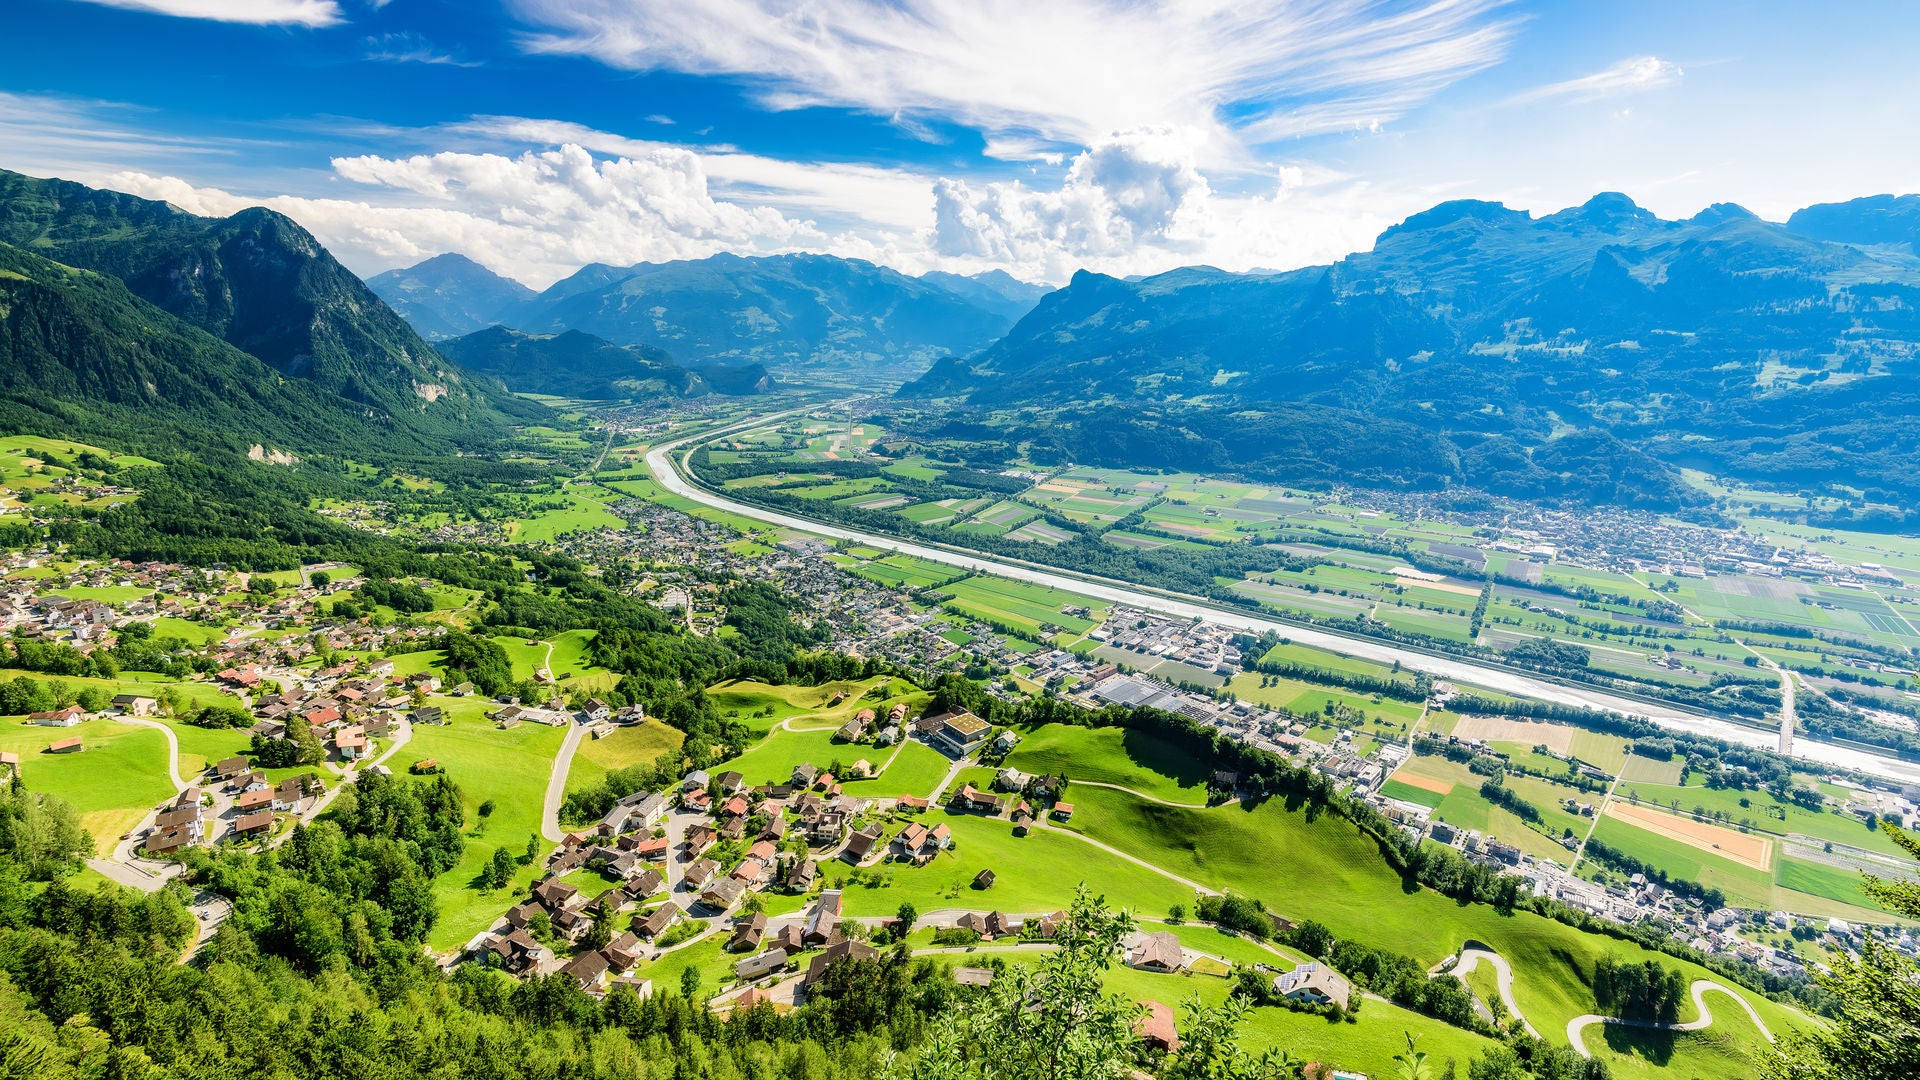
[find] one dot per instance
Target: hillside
(263, 284)
(80, 355)
(781, 310)
(1723, 341)
(577, 365)
(449, 295)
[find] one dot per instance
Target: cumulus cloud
(537, 216)
(1632, 75)
(252, 12)
(1064, 70)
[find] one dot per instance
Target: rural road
(1502, 976)
(1118, 854)
(1705, 1020)
(173, 747)
(1143, 796)
(557, 784)
(665, 470)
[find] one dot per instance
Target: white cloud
(1063, 70)
(1629, 76)
(252, 12)
(410, 48)
(537, 216)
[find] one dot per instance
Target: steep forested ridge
(264, 285)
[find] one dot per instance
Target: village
(701, 860)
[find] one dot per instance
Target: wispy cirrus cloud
(1630, 76)
(1072, 71)
(312, 13)
(407, 47)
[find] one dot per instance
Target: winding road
(666, 471)
(1471, 958)
(1700, 987)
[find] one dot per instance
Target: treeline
(1495, 791)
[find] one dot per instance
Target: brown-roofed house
(1155, 1027)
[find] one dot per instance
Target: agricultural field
(1023, 609)
(505, 767)
(119, 775)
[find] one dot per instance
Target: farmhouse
(764, 964)
(1159, 951)
(1314, 983)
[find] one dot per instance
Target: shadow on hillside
(1155, 754)
(1656, 1047)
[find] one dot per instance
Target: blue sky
(1128, 136)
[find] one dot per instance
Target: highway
(667, 460)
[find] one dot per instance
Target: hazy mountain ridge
(449, 295)
(579, 365)
(1722, 340)
(780, 310)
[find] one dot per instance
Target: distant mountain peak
(1609, 210)
(1447, 213)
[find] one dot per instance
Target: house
(695, 780)
(66, 746)
(960, 734)
(1314, 983)
(250, 825)
(823, 922)
(973, 921)
(228, 768)
(624, 952)
(252, 801)
(862, 844)
(792, 938)
(657, 921)
(973, 976)
(1022, 820)
(1157, 952)
(556, 894)
(700, 838)
(756, 966)
(972, 798)
(912, 802)
(613, 862)
(135, 705)
(652, 849)
(1063, 811)
(1154, 1027)
(701, 871)
(747, 933)
(797, 875)
(1010, 779)
(167, 841)
(571, 922)
(852, 731)
(999, 925)
(838, 952)
(644, 884)
(67, 717)
(9, 763)
(803, 775)
(983, 880)
(596, 711)
(730, 783)
(432, 714)
(589, 970)
(749, 872)
(520, 953)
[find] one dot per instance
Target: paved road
(1470, 959)
(1705, 1020)
(1598, 813)
(662, 464)
(557, 784)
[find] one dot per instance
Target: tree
(1412, 1065)
(907, 916)
(1177, 913)
(1875, 1034)
(533, 849)
(690, 981)
(500, 870)
(1210, 1049)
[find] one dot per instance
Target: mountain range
(578, 365)
(132, 313)
(777, 311)
(1482, 337)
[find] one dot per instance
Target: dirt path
(1598, 813)
(1704, 1021)
(1154, 798)
(1118, 854)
